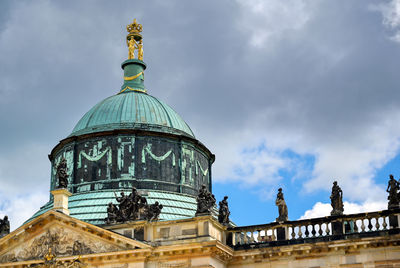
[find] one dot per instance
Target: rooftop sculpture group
(393, 189)
(205, 201)
(132, 207)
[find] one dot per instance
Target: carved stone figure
(205, 201)
(124, 208)
(223, 215)
(154, 211)
(394, 195)
(143, 208)
(4, 226)
(62, 174)
(112, 213)
(79, 248)
(282, 208)
(135, 200)
(336, 200)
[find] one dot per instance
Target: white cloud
(391, 17)
(268, 20)
(324, 209)
(25, 181)
(21, 208)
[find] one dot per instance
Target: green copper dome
(131, 140)
(132, 110)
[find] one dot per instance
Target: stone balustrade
(323, 229)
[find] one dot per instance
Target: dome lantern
(134, 67)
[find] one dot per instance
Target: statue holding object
(336, 200)
(394, 195)
(112, 213)
(223, 215)
(282, 208)
(62, 174)
(205, 201)
(154, 212)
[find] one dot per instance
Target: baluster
(234, 238)
(362, 225)
(252, 237)
(320, 232)
(384, 224)
(300, 233)
(273, 235)
(313, 232)
(377, 225)
(243, 238)
(266, 235)
(293, 232)
(369, 224)
(266, 239)
(327, 231)
(356, 226)
(307, 233)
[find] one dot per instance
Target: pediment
(65, 236)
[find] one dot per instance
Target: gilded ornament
(134, 40)
(134, 27)
(130, 78)
(132, 46)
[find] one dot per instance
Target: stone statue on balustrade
(4, 226)
(282, 208)
(394, 195)
(336, 200)
(223, 215)
(62, 174)
(205, 201)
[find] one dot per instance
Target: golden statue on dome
(134, 40)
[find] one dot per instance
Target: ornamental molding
(64, 236)
(147, 149)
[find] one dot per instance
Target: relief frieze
(61, 242)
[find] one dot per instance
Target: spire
(134, 66)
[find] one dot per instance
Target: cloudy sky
(291, 94)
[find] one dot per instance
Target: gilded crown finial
(134, 40)
(134, 27)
